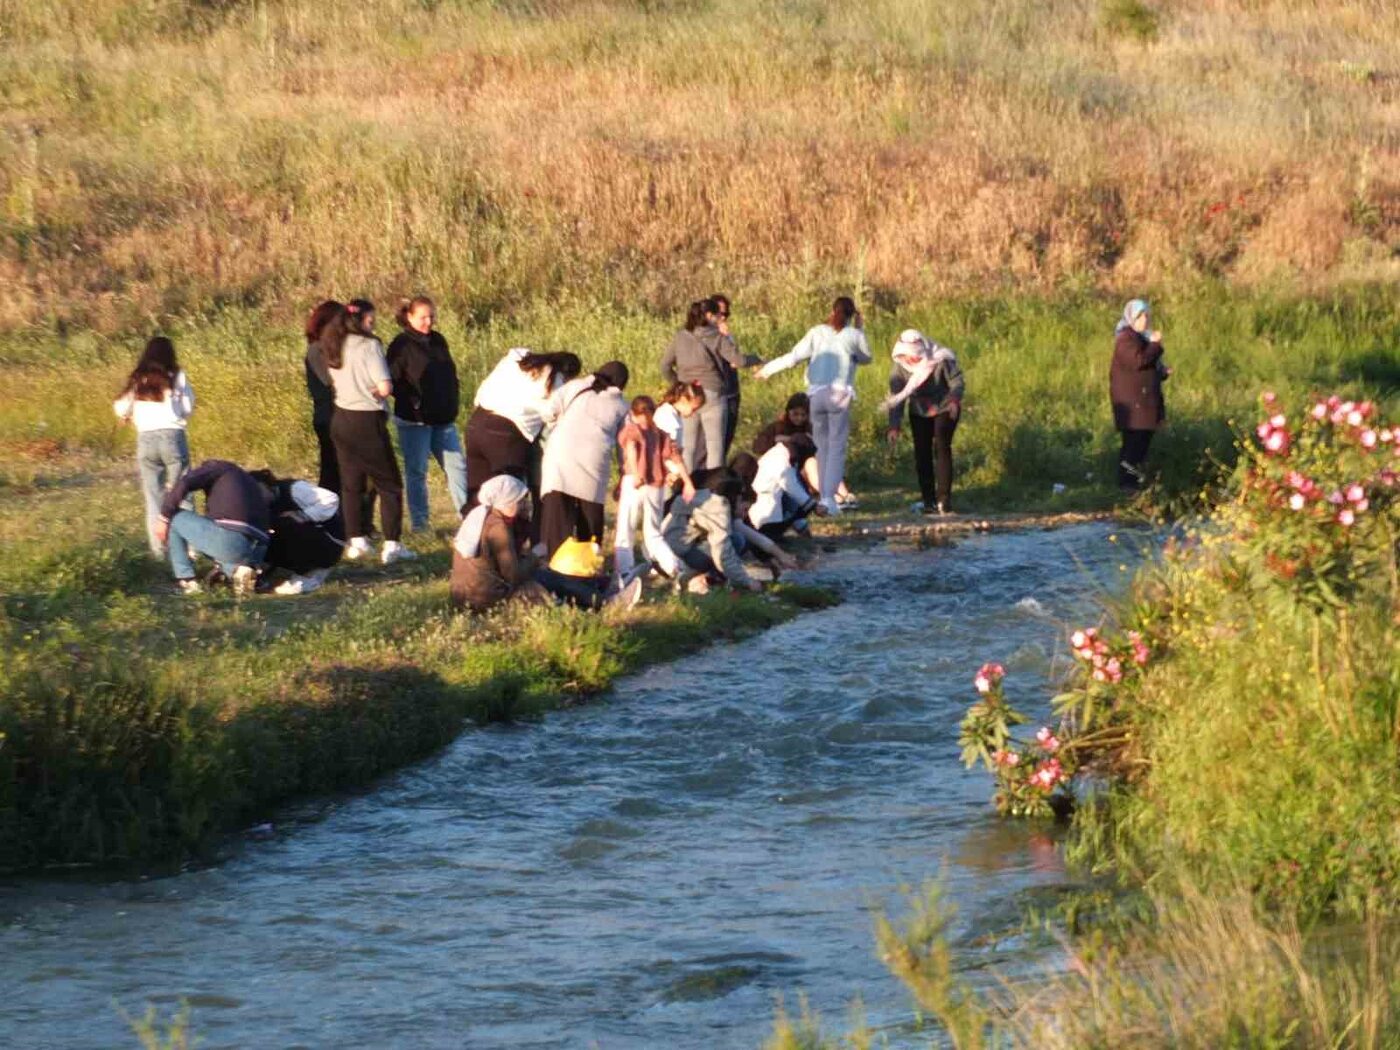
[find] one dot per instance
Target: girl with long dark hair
(158, 401)
(360, 378)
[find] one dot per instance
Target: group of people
(531, 481)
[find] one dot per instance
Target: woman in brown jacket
(1135, 388)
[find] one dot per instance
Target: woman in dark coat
(1135, 388)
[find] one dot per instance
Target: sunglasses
(724, 314)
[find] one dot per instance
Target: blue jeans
(162, 458)
(416, 442)
(226, 546)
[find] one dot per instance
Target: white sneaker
(189, 587)
(245, 578)
(302, 584)
(832, 507)
(357, 548)
(395, 551)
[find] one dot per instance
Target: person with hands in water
(926, 376)
(832, 350)
(1135, 389)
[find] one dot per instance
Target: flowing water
(648, 870)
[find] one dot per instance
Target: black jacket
(425, 379)
(932, 396)
(318, 385)
(299, 544)
(233, 498)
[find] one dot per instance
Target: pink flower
(1367, 439)
(982, 684)
(1365, 408)
(1006, 758)
(1263, 430)
(1355, 493)
(1346, 517)
(1278, 420)
(1269, 397)
(988, 675)
(1361, 505)
(1333, 402)
(1388, 477)
(1336, 499)
(1297, 501)
(1277, 441)
(1319, 411)
(1114, 670)
(1048, 774)
(1077, 639)
(1047, 739)
(1386, 434)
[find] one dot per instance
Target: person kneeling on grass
(233, 530)
(308, 534)
(701, 531)
(782, 498)
(491, 562)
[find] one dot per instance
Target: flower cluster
(1106, 662)
(1273, 432)
(988, 677)
(1033, 778)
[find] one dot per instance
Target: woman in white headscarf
(1135, 389)
(926, 376)
(491, 562)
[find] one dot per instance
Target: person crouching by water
(649, 460)
(589, 412)
(1135, 389)
(927, 376)
(782, 499)
(233, 530)
(360, 378)
(701, 531)
(491, 561)
(427, 397)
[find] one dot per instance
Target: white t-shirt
(362, 369)
(169, 413)
(515, 394)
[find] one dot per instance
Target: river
(647, 870)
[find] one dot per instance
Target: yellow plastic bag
(577, 558)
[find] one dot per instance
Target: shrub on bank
(1251, 709)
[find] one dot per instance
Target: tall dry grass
(163, 158)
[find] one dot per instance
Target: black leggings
(562, 516)
(495, 446)
(364, 453)
(933, 456)
(1131, 458)
(329, 476)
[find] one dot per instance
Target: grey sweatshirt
(709, 519)
(699, 357)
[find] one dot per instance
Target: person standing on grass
(679, 403)
(832, 351)
(927, 377)
(700, 353)
(589, 412)
(318, 388)
(427, 398)
(360, 379)
(158, 401)
(731, 374)
(649, 460)
(1135, 389)
(233, 530)
(513, 406)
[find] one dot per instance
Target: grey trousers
(709, 421)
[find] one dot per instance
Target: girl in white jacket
(158, 401)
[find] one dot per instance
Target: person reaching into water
(701, 531)
(158, 401)
(492, 563)
(427, 398)
(1135, 389)
(360, 378)
(700, 353)
(513, 407)
(926, 376)
(781, 499)
(588, 413)
(649, 460)
(832, 350)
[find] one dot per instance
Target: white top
(578, 458)
(515, 394)
(362, 369)
(831, 357)
(169, 413)
(668, 421)
(776, 475)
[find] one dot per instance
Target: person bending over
(308, 534)
(233, 530)
(701, 531)
(782, 498)
(927, 377)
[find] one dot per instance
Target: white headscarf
(503, 493)
(1136, 308)
(920, 356)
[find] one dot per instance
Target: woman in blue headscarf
(1135, 388)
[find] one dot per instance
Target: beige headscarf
(503, 493)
